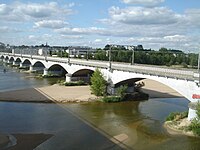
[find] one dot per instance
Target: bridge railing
(142, 69)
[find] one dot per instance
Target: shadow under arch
(11, 59)
(39, 64)
(18, 60)
(83, 74)
(128, 82)
(57, 70)
(6, 58)
(26, 62)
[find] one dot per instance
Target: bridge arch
(129, 82)
(11, 59)
(6, 58)
(39, 64)
(83, 74)
(183, 87)
(26, 62)
(18, 60)
(57, 69)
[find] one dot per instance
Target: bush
(177, 116)
(171, 116)
(195, 127)
(195, 124)
(111, 99)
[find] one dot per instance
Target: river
(141, 122)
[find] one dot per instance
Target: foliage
(111, 99)
(78, 83)
(162, 57)
(175, 116)
(198, 111)
(195, 124)
(121, 91)
(195, 127)
(50, 76)
(98, 83)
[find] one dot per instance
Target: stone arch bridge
(185, 82)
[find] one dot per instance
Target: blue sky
(152, 23)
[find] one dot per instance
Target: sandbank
(158, 90)
(177, 128)
(63, 94)
(48, 94)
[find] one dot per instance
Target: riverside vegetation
(176, 118)
(99, 88)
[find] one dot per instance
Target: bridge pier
(68, 77)
(192, 111)
(45, 72)
(21, 64)
(112, 90)
(33, 69)
(15, 63)
(9, 61)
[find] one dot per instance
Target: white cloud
(193, 17)
(86, 31)
(98, 40)
(141, 15)
(176, 38)
(54, 24)
(4, 9)
(144, 2)
(27, 11)
(72, 36)
(6, 29)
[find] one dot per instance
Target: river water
(141, 122)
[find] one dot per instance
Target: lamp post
(110, 64)
(133, 56)
(31, 52)
(69, 56)
(199, 67)
(87, 54)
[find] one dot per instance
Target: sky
(173, 24)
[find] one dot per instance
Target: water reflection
(141, 121)
(13, 79)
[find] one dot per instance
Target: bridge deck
(142, 69)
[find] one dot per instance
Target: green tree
(98, 83)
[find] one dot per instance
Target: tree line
(164, 56)
(161, 57)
